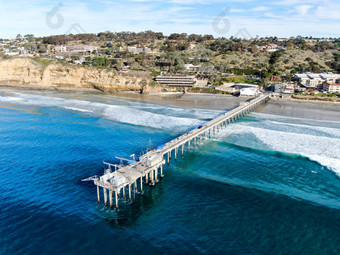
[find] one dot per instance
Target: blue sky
(282, 18)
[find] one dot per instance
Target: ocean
(269, 184)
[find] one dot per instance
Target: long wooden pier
(124, 181)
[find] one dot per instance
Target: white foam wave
(77, 109)
(136, 114)
(269, 116)
(324, 150)
(331, 131)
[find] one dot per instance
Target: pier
(124, 181)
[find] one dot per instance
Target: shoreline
(305, 101)
(161, 94)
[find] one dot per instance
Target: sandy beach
(317, 110)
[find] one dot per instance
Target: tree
(42, 48)
(253, 49)
(196, 61)
(29, 37)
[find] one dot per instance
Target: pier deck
(149, 168)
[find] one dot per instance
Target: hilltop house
(72, 49)
(136, 50)
(192, 68)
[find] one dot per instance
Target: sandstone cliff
(27, 72)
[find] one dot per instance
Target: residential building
(84, 49)
(136, 50)
(60, 48)
(331, 88)
(192, 68)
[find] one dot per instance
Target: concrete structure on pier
(149, 168)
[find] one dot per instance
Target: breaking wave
(155, 116)
(317, 143)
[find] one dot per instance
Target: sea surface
(269, 184)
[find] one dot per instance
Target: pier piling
(105, 196)
(110, 198)
(98, 195)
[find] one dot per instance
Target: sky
(221, 18)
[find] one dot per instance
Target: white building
(192, 68)
(177, 80)
(331, 88)
(75, 48)
(315, 80)
(249, 92)
(236, 87)
(136, 50)
(60, 48)
(330, 78)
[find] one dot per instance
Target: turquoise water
(266, 185)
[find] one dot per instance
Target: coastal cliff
(28, 73)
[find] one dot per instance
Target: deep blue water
(266, 185)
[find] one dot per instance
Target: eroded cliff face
(26, 72)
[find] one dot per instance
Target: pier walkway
(149, 167)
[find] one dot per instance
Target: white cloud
(303, 9)
(236, 10)
(260, 8)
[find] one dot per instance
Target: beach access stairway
(124, 181)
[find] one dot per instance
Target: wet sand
(298, 109)
(197, 101)
(306, 110)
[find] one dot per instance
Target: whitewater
(317, 140)
(318, 143)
